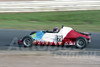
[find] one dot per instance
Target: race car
(64, 36)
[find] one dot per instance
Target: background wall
(48, 5)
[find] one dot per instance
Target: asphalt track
(10, 37)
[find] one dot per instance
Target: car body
(66, 36)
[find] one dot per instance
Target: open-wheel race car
(63, 36)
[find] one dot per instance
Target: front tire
(81, 42)
(27, 41)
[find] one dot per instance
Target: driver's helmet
(56, 30)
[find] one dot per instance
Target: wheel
(27, 41)
(81, 42)
(32, 33)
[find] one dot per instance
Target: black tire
(32, 33)
(27, 41)
(81, 42)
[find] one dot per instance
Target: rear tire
(81, 42)
(27, 41)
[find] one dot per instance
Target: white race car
(64, 36)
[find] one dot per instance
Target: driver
(56, 30)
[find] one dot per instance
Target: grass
(79, 20)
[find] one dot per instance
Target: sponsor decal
(34, 35)
(69, 43)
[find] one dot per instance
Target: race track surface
(9, 37)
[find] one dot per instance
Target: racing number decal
(59, 38)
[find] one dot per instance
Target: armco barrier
(56, 5)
